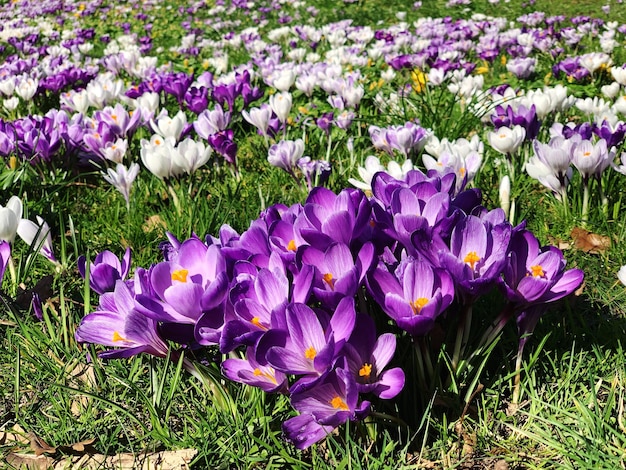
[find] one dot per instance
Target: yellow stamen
(328, 278)
(259, 373)
(291, 246)
(418, 305)
(118, 337)
(537, 271)
(180, 275)
(365, 371)
(338, 403)
(257, 322)
(471, 258)
(310, 353)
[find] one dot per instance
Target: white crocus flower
(157, 156)
(27, 88)
(621, 274)
(193, 154)
(9, 219)
(167, 126)
(122, 178)
(38, 236)
(281, 105)
(507, 140)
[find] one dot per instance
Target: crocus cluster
(292, 300)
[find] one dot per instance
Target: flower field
(291, 234)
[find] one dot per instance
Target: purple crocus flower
(105, 271)
(197, 99)
(328, 217)
(338, 274)
(330, 403)
(117, 324)
(310, 348)
(414, 295)
(191, 283)
(477, 255)
(249, 371)
(367, 357)
(536, 275)
(285, 154)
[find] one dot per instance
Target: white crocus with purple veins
(259, 118)
(115, 151)
(592, 159)
(122, 179)
(507, 140)
(211, 122)
(281, 105)
(37, 236)
(285, 154)
(167, 126)
(594, 60)
(10, 217)
(306, 84)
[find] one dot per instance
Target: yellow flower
(419, 80)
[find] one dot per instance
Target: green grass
(571, 412)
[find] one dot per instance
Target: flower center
(418, 304)
(180, 275)
(365, 371)
(310, 353)
(537, 271)
(338, 403)
(291, 246)
(328, 278)
(471, 258)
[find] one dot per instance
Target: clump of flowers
(297, 293)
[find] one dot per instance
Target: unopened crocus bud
(505, 194)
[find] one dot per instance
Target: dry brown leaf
(166, 460)
(560, 244)
(153, 222)
(39, 446)
(14, 436)
(590, 242)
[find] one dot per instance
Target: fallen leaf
(80, 447)
(166, 460)
(39, 446)
(14, 436)
(590, 242)
(560, 244)
(153, 222)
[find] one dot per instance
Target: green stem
(462, 335)
(585, 212)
